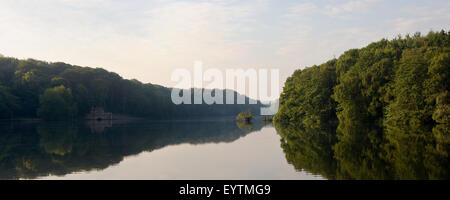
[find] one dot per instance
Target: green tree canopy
(57, 104)
(8, 103)
(28, 79)
(401, 81)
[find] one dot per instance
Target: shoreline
(129, 118)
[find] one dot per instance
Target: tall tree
(57, 104)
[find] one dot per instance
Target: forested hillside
(380, 112)
(58, 91)
(401, 81)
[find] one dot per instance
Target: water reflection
(365, 151)
(309, 149)
(30, 150)
(348, 151)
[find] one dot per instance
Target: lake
(185, 149)
(220, 149)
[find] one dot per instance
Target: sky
(148, 39)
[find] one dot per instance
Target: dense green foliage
(389, 106)
(8, 103)
(25, 84)
(306, 96)
(405, 80)
(57, 103)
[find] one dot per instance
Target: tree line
(379, 112)
(59, 91)
(389, 82)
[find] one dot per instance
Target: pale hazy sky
(148, 39)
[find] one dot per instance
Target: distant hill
(56, 91)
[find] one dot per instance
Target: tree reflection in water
(354, 151)
(364, 151)
(31, 150)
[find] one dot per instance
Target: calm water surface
(197, 149)
(221, 149)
